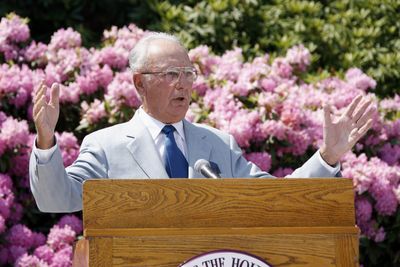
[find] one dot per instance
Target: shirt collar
(155, 126)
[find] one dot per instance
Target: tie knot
(168, 129)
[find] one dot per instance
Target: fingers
(40, 103)
(356, 134)
(38, 117)
(41, 90)
(363, 130)
(353, 105)
(361, 110)
(327, 115)
(55, 94)
(365, 117)
(39, 99)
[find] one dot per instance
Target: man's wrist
(329, 158)
(45, 144)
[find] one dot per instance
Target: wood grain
(278, 250)
(128, 232)
(187, 203)
(100, 252)
(347, 250)
(287, 222)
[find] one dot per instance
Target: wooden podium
(164, 222)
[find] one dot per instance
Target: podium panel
(159, 222)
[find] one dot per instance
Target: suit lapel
(143, 150)
(197, 145)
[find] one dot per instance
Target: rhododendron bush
(270, 105)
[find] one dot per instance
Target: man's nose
(181, 82)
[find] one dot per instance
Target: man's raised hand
(45, 114)
(342, 134)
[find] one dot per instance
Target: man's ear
(138, 82)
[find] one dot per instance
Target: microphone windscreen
(201, 163)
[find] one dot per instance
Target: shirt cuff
(333, 169)
(43, 156)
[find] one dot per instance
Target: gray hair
(138, 55)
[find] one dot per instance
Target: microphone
(204, 167)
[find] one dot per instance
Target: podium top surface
(213, 203)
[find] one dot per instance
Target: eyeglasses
(172, 75)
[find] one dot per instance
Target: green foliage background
(340, 34)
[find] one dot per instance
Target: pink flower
(392, 104)
(70, 93)
(17, 82)
(261, 159)
(392, 129)
(121, 91)
(44, 253)
(69, 147)
(39, 239)
(282, 68)
(203, 59)
(29, 261)
(60, 237)
(299, 142)
(20, 235)
(125, 37)
(386, 201)
(390, 154)
(229, 65)
(14, 29)
(274, 129)
(74, 222)
(6, 202)
(2, 224)
(35, 52)
(104, 76)
(268, 85)
(93, 113)
(282, 172)
(114, 57)
(16, 213)
(380, 235)
(299, 56)
(22, 161)
(5, 181)
(87, 84)
(242, 126)
(93, 78)
(15, 252)
(200, 85)
(63, 257)
(360, 80)
(363, 210)
(65, 39)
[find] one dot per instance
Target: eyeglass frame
(180, 70)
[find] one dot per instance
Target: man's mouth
(180, 98)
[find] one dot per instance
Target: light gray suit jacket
(127, 151)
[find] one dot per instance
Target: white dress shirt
(155, 128)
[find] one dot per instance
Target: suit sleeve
(59, 189)
(241, 168)
(311, 168)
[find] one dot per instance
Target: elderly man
(158, 142)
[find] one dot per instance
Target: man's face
(165, 97)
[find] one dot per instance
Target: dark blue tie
(175, 162)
